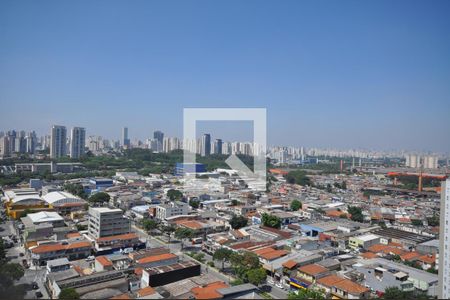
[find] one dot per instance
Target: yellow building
(17, 201)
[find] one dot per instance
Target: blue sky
(347, 74)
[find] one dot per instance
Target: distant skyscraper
(58, 141)
(30, 142)
(4, 146)
(159, 137)
(444, 242)
(125, 139)
(206, 145)
(77, 142)
(218, 146)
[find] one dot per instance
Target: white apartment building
(444, 243)
(105, 221)
(172, 209)
(77, 142)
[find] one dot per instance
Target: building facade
(105, 222)
(58, 140)
(77, 142)
(444, 245)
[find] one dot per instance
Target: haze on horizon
(353, 74)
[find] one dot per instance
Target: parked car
(34, 285)
(38, 294)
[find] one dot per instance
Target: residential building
(218, 146)
(77, 142)
(206, 145)
(58, 141)
(164, 211)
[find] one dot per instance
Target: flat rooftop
(403, 235)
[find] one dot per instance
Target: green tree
(10, 272)
(2, 251)
(223, 255)
(298, 177)
(237, 222)
(271, 221)
(100, 198)
(306, 294)
(149, 224)
(329, 188)
(76, 189)
(433, 221)
(68, 294)
(256, 276)
(174, 195)
(416, 222)
(168, 230)
(237, 281)
(356, 213)
(396, 293)
(183, 233)
(242, 262)
(296, 205)
(194, 203)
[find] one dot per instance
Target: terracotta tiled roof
(192, 224)
(121, 296)
(290, 264)
(146, 291)
(59, 247)
(209, 291)
(368, 255)
(350, 287)
(127, 236)
(410, 256)
(153, 258)
(377, 248)
(48, 248)
(78, 245)
(104, 261)
(428, 259)
(263, 250)
(274, 254)
(313, 269)
(73, 235)
(329, 280)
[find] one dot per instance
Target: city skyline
(152, 136)
(369, 76)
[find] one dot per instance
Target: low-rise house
(102, 263)
(309, 274)
(57, 265)
(128, 240)
(347, 289)
(42, 253)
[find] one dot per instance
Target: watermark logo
(256, 179)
